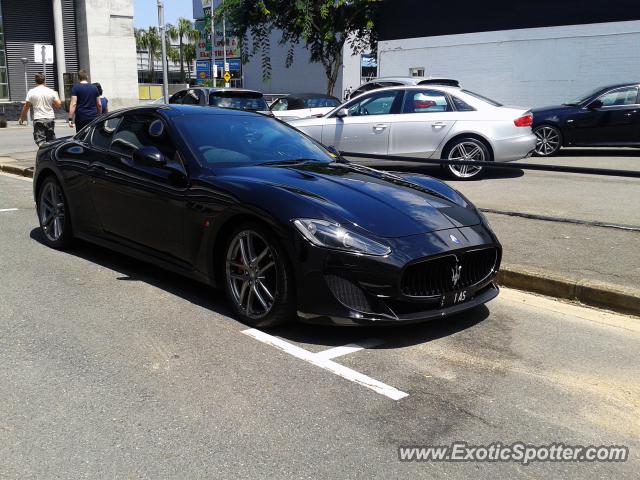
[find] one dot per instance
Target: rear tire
(548, 140)
(467, 148)
(258, 277)
(53, 214)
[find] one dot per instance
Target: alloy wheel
(547, 140)
(467, 151)
(52, 211)
(251, 274)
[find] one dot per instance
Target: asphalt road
(111, 368)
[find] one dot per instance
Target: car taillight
(524, 121)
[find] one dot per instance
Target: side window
(142, 130)
(425, 101)
(193, 97)
(380, 103)
(280, 105)
(102, 135)
(177, 98)
(461, 105)
(624, 96)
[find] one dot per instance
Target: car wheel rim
(52, 211)
(547, 140)
(467, 151)
(251, 273)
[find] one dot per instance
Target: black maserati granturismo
(286, 226)
(604, 117)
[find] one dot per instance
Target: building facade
(91, 34)
(525, 53)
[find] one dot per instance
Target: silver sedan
(428, 122)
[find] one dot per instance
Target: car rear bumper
(514, 148)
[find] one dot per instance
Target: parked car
(303, 105)
(235, 98)
(605, 117)
(246, 203)
(427, 121)
(382, 82)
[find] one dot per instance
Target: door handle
(630, 114)
(99, 170)
(439, 125)
(379, 127)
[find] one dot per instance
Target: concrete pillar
(59, 45)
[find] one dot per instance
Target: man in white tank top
(43, 100)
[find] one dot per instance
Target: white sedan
(429, 122)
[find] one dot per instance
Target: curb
(596, 294)
(22, 171)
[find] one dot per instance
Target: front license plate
(455, 298)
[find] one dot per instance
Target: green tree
(323, 26)
(148, 41)
(184, 33)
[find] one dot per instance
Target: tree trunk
(152, 65)
(332, 69)
(181, 61)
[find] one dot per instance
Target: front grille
(434, 277)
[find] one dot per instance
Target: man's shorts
(43, 131)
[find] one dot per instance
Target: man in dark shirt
(85, 102)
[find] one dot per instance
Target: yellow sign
(227, 76)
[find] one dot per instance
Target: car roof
(405, 80)
(222, 89)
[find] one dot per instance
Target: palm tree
(152, 42)
(182, 31)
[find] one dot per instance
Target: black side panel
(421, 18)
(27, 23)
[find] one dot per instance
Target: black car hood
(383, 204)
(553, 109)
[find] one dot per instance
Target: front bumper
(345, 289)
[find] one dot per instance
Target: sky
(146, 12)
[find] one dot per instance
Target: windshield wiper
(296, 161)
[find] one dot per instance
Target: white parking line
(8, 209)
(350, 348)
(319, 361)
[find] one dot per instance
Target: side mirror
(594, 105)
(343, 112)
(149, 157)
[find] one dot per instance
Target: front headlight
(331, 235)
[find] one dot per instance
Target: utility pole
(224, 51)
(43, 51)
(214, 72)
(165, 70)
(25, 60)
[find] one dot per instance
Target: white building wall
(529, 67)
(107, 48)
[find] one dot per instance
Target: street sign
(48, 53)
(203, 70)
(227, 76)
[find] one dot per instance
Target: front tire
(258, 277)
(469, 149)
(53, 214)
(548, 140)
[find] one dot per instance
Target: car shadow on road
(394, 336)
(390, 336)
(441, 174)
(136, 270)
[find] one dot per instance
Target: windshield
(483, 98)
(584, 97)
(254, 102)
(240, 140)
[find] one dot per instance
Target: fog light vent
(348, 293)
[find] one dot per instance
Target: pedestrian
(104, 102)
(43, 100)
(85, 102)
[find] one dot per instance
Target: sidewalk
(593, 265)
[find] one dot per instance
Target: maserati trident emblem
(455, 274)
(454, 239)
